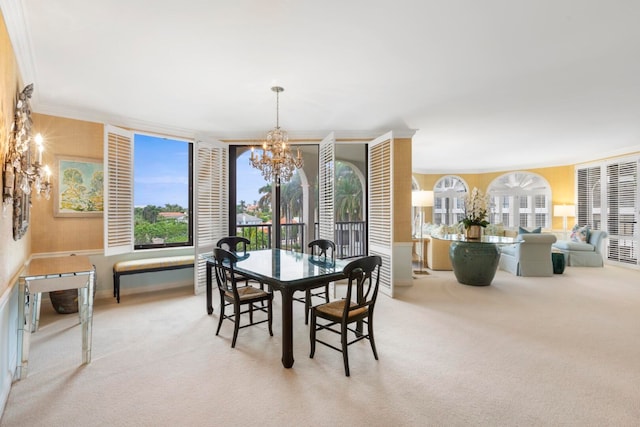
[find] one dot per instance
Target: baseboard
(5, 389)
(124, 291)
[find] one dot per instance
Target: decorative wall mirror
(20, 173)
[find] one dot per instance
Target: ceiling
(484, 85)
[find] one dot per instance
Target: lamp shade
(422, 198)
(564, 210)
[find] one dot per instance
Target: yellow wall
(65, 138)
(402, 190)
(12, 254)
(560, 178)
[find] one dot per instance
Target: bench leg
(116, 287)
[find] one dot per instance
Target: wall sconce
(20, 172)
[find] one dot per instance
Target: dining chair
(363, 277)
(238, 296)
(237, 245)
(318, 250)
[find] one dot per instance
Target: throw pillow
(525, 231)
(580, 234)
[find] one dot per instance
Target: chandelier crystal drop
(276, 163)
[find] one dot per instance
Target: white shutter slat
(588, 209)
(380, 208)
(118, 213)
(210, 203)
(326, 196)
(622, 209)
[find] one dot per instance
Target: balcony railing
(350, 237)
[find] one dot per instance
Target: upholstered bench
(122, 268)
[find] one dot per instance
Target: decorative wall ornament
(20, 172)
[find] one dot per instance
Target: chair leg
(345, 354)
(270, 314)
(312, 334)
(221, 316)
(236, 324)
(371, 339)
(307, 306)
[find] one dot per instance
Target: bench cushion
(143, 264)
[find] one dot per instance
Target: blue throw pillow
(580, 234)
(525, 231)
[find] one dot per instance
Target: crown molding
(14, 13)
(230, 137)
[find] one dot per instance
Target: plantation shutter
(381, 207)
(622, 211)
(326, 191)
(211, 197)
(118, 191)
(588, 182)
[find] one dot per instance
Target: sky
(249, 180)
(158, 181)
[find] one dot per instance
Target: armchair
(530, 257)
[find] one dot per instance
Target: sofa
(584, 254)
(530, 257)
(436, 253)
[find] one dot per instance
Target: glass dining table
(286, 272)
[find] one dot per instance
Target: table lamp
(564, 211)
(421, 199)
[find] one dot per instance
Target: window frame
(189, 242)
(520, 206)
(119, 207)
(449, 203)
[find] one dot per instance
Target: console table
(475, 262)
(54, 274)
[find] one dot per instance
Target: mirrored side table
(54, 274)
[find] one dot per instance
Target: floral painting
(79, 189)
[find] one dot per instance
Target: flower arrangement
(476, 207)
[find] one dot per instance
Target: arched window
(520, 199)
(448, 194)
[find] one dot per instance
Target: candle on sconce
(40, 148)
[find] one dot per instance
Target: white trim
(14, 13)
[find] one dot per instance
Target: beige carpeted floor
(557, 351)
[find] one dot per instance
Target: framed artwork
(79, 189)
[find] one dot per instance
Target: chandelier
(276, 163)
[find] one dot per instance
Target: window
(171, 160)
(162, 192)
(520, 199)
(449, 193)
(589, 200)
(608, 199)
